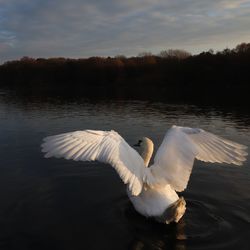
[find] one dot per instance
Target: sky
(84, 28)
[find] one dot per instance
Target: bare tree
(243, 47)
(145, 54)
(174, 53)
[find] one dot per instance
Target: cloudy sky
(83, 28)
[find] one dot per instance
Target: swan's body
(156, 202)
(152, 190)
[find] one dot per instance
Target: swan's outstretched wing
(174, 159)
(104, 146)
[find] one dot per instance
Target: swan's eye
(138, 144)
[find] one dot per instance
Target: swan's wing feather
(174, 159)
(103, 146)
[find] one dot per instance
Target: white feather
(104, 146)
(174, 159)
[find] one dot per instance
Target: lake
(60, 204)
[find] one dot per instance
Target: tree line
(170, 75)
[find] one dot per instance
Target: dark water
(59, 204)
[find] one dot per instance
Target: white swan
(152, 190)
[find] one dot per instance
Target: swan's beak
(138, 144)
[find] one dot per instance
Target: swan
(152, 190)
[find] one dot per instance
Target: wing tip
(47, 156)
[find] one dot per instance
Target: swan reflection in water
(172, 236)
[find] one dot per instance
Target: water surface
(60, 204)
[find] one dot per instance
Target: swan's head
(147, 148)
(144, 141)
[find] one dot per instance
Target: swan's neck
(147, 150)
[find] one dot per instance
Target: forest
(172, 75)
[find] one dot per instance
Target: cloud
(81, 28)
(233, 4)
